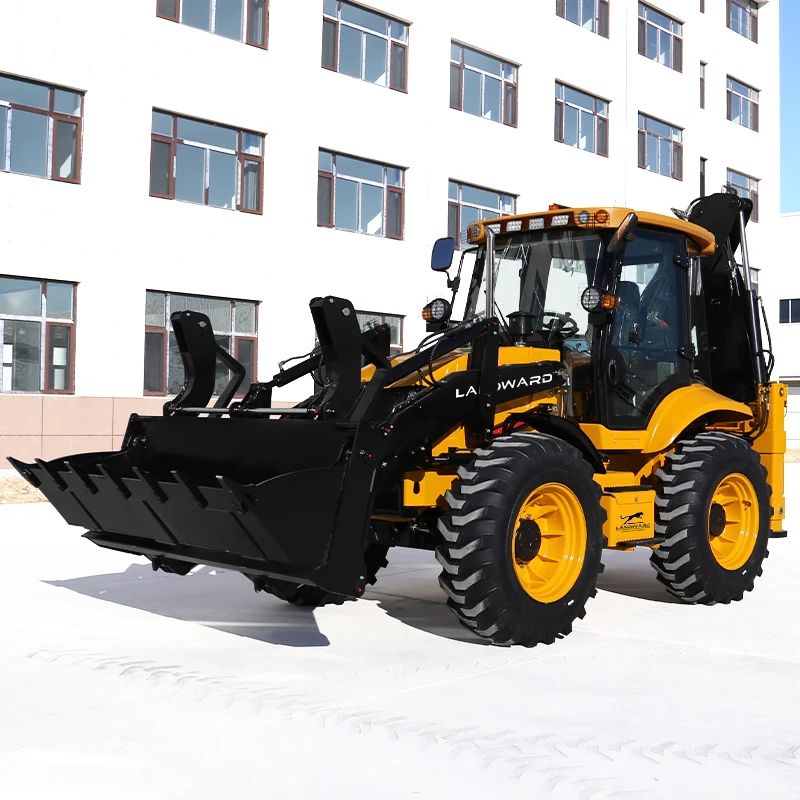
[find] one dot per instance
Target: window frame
(790, 304)
(703, 162)
(751, 193)
(598, 118)
(561, 11)
(46, 323)
(387, 187)
(749, 8)
(241, 158)
(676, 46)
(53, 118)
(703, 65)
(676, 150)
(246, 9)
(505, 84)
(754, 110)
(391, 43)
(165, 331)
(458, 204)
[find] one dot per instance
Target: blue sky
(790, 105)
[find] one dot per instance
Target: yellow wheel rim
(548, 543)
(733, 521)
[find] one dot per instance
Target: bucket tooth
(82, 477)
(123, 490)
(151, 484)
(196, 496)
(52, 474)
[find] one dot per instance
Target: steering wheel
(564, 324)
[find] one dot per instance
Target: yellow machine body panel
(630, 515)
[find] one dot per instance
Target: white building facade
(244, 156)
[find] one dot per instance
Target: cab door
(646, 349)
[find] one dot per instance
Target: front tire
(713, 507)
(522, 541)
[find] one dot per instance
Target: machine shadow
(631, 574)
(218, 599)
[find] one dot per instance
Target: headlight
(437, 310)
(590, 298)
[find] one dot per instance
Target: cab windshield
(544, 273)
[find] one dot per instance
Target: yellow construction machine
(604, 387)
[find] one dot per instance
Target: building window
(364, 45)
(703, 66)
(468, 204)
(790, 311)
(660, 38)
(40, 130)
(368, 319)
(235, 325)
(742, 104)
(242, 20)
(482, 85)
(702, 6)
(201, 162)
(745, 186)
(589, 14)
(743, 18)
(703, 176)
(581, 120)
(37, 330)
(358, 195)
(660, 147)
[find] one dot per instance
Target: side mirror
(623, 235)
(442, 255)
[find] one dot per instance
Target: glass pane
(167, 8)
(510, 105)
(67, 102)
(573, 11)
(155, 309)
(472, 92)
(394, 176)
(654, 126)
(455, 86)
(372, 210)
(580, 99)
(452, 190)
(24, 93)
(59, 300)
(665, 49)
(325, 162)
(245, 317)
(221, 180)
(350, 51)
(587, 17)
(66, 150)
(480, 197)
(245, 352)
(153, 362)
(29, 142)
(652, 153)
(480, 61)
(587, 131)
(160, 168)
(452, 222)
(659, 19)
(664, 157)
(330, 7)
(251, 186)
(784, 312)
(652, 42)
(398, 67)
(162, 123)
(196, 13)
(216, 309)
(795, 316)
(346, 204)
(328, 44)
(3, 121)
(506, 203)
(324, 201)
(58, 358)
(602, 137)
(190, 174)
(394, 223)
(571, 126)
(257, 21)
(357, 168)
(222, 373)
(364, 18)
(194, 131)
(491, 98)
(455, 52)
(176, 372)
(22, 342)
(251, 144)
(20, 298)
(468, 216)
(375, 60)
(395, 324)
(228, 19)
(398, 31)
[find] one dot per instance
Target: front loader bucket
(266, 497)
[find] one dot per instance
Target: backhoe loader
(605, 387)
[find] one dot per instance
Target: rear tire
(713, 506)
(512, 575)
(300, 594)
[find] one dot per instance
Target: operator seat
(626, 317)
